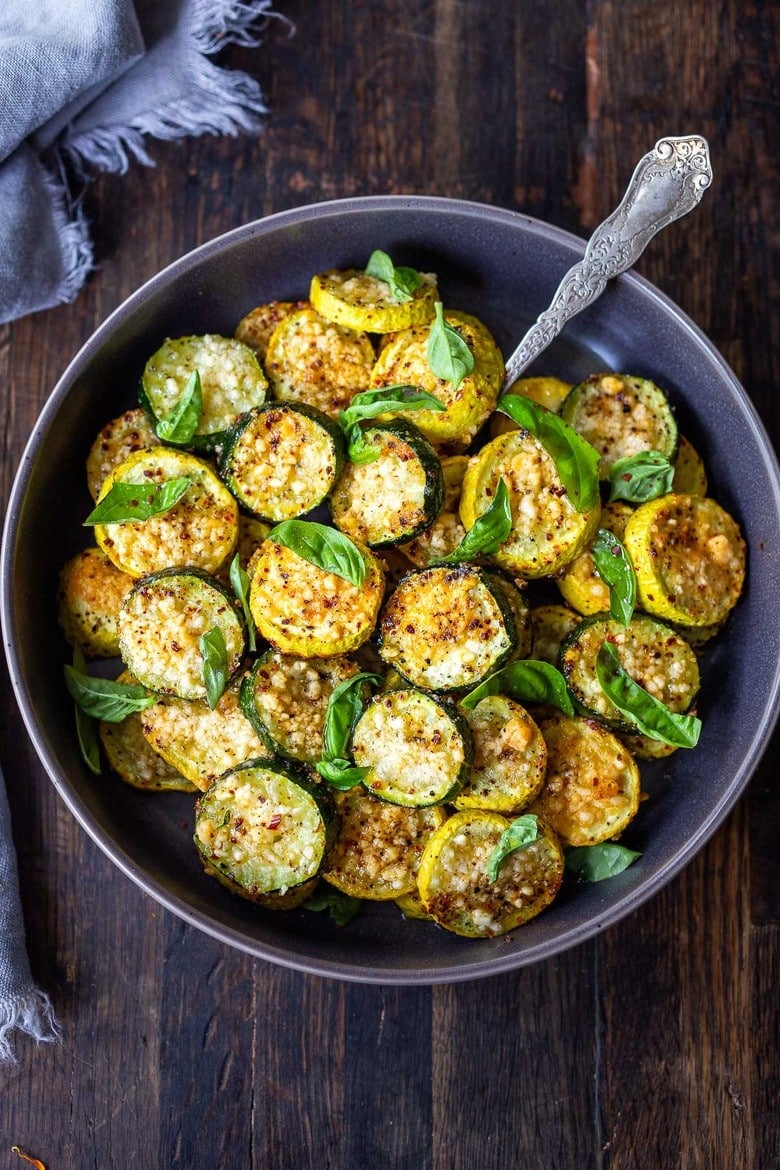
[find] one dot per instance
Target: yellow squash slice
(358, 301)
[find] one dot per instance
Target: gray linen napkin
(84, 82)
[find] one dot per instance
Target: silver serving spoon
(668, 182)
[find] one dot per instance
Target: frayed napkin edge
(72, 231)
(31, 1014)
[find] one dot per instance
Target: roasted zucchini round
(117, 441)
(551, 624)
(690, 477)
(621, 416)
(161, 623)
(351, 298)
(312, 360)
(91, 592)
(256, 327)
(580, 583)
(133, 758)
(282, 459)
(510, 757)
(417, 747)
(395, 496)
(455, 887)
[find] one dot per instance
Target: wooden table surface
(655, 1044)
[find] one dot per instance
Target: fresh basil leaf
(358, 450)
(527, 681)
(86, 725)
(448, 355)
(594, 863)
(518, 836)
(489, 531)
(341, 907)
(327, 548)
(642, 477)
(215, 672)
(370, 403)
(403, 281)
(239, 579)
(576, 462)
(616, 571)
(649, 715)
(126, 502)
(345, 706)
(181, 424)
(341, 774)
(104, 699)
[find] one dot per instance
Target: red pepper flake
(275, 821)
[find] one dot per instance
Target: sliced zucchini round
(545, 391)
(377, 852)
(132, 757)
(280, 460)
(198, 742)
(411, 906)
(447, 628)
(620, 416)
(417, 747)
(161, 623)
(351, 298)
(551, 624)
(306, 611)
(689, 558)
(446, 532)
(312, 360)
(547, 531)
(90, 595)
(645, 748)
(231, 381)
(656, 657)
(513, 592)
(403, 361)
(395, 496)
(592, 787)
(256, 327)
(286, 700)
(510, 757)
(264, 832)
(118, 439)
(455, 888)
(580, 582)
(690, 477)
(200, 530)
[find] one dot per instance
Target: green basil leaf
(126, 502)
(594, 863)
(576, 462)
(341, 774)
(527, 681)
(518, 836)
(215, 673)
(649, 715)
(489, 531)
(341, 907)
(358, 450)
(370, 403)
(403, 281)
(325, 547)
(239, 579)
(181, 424)
(616, 571)
(86, 725)
(448, 355)
(345, 706)
(642, 477)
(104, 699)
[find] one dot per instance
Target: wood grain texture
(653, 1045)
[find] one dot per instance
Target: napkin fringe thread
(221, 101)
(32, 1014)
(73, 234)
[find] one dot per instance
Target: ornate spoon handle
(668, 182)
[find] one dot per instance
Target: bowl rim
(496, 964)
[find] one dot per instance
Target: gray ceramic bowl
(503, 267)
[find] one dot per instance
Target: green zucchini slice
(455, 888)
(132, 757)
(417, 746)
(592, 788)
(447, 628)
(620, 416)
(551, 624)
(117, 441)
(200, 743)
(161, 623)
(313, 360)
(231, 381)
(394, 497)
(264, 832)
(200, 530)
(377, 852)
(653, 654)
(256, 327)
(282, 459)
(510, 757)
(286, 700)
